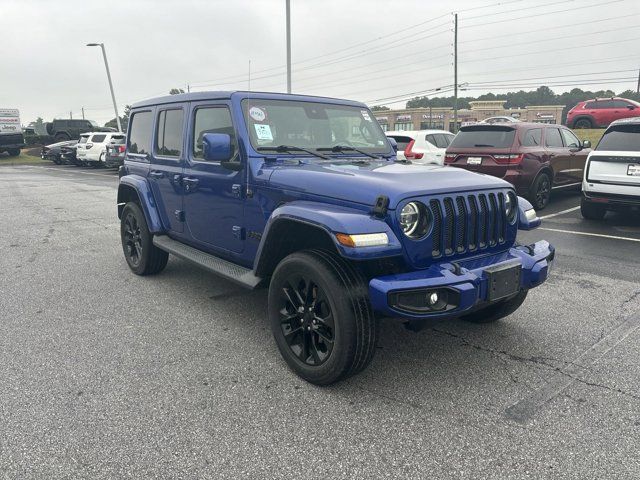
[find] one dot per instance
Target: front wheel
(592, 211)
(540, 191)
(495, 312)
(583, 123)
(142, 256)
(320, 316)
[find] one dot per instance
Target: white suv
(92, 147)
(422, 146)
(612, 174)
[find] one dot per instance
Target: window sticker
(263, 132)
(365, 115)
(258, 114)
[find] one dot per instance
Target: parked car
(70, 129)
(533, 157)
(92, 147)
(114, 156)
(500, 119)
(68, 154)
(600, 112)
(422, 146)
(305, 195)
(612, 177)
(53, 152)
(11, 137)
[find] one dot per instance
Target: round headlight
(510, 207)
(415, 220)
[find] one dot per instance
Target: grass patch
(22, 159)
(592, 134)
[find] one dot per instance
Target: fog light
(433, 298)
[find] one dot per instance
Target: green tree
(124, 120)
(175, 91)
(379, 108)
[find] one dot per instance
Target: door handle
(156, 174)
(189, 183)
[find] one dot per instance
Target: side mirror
(527, 216)
(393, 143)
(217, 147)
(586, 144)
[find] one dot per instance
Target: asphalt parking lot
(107, 375)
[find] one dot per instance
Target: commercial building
(442, 117)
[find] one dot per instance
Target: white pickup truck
(11, 138)
(612, 174)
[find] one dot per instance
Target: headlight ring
(415, 220)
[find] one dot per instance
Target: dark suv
(305, 195)
(601, 112)
(533, 157)
(62, 130)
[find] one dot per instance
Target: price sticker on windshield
(365, 115)
(263, 132)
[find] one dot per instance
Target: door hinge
(238, 232)
(236, 189)
(179, 215)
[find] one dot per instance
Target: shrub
(31, 140)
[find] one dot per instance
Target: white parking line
(561, 213)
(613, 237)
(79, 171)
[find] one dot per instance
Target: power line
(518, 10)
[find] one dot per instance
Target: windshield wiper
(291, 148)
(345, 148)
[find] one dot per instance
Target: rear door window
(140, 126)
(169, 133)
(431, 139)
(621, 138)
(570, 140)
(484, 137)
(402, 141)
(553, 138)
(532, 138)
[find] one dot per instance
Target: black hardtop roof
(226, 95)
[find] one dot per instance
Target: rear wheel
(540, 191)
(320, 316)
(583, 123)
(592, 211)
(14, 152)
(142, 256)
(61, 137)
(493, 313)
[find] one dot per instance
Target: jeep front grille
(467, 223)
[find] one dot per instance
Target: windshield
(493, 137)
(621, 138)
(312, 125)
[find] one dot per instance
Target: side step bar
(240, 275)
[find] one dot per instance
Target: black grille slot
(493, 227)
(449, 217)
(461, 224)
(436, 235)
(484, 220)
(473, 223)
(503, 218)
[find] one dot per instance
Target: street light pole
(113, 96)
(288, 46)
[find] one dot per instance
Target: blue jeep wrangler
(305, 195)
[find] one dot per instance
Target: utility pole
(83, 113)
(455, 74)
(638, 87)
(188, 88)
(106, 66)
(70, 115)
(288, 46)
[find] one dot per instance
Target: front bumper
(465, 281)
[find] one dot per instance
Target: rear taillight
(508, 159)
(121, 149)
(408, 152)
(449, 158)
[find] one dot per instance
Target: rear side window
(118, 140)
(620, 104)
(532, 138)
(479, 137)
(140, 127)
(600, 104)
(169, 133)
(440, 140)
(211, 120)
(570, 140)
(402, 141)
(83, 139)
(621, 138)
(553, 138)
(98, 138)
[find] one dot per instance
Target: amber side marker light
(363, 239)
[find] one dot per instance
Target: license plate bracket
(503, 280)
(474, 160)
(633, 170)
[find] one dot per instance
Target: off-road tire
(540, 192)
(61, 137)
(148, 258)
(495, 312)
(592, 211)
(355, 329)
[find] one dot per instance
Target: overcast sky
(359, 49)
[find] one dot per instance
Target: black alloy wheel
(541, 191)
(306, 320)
(132, 239)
